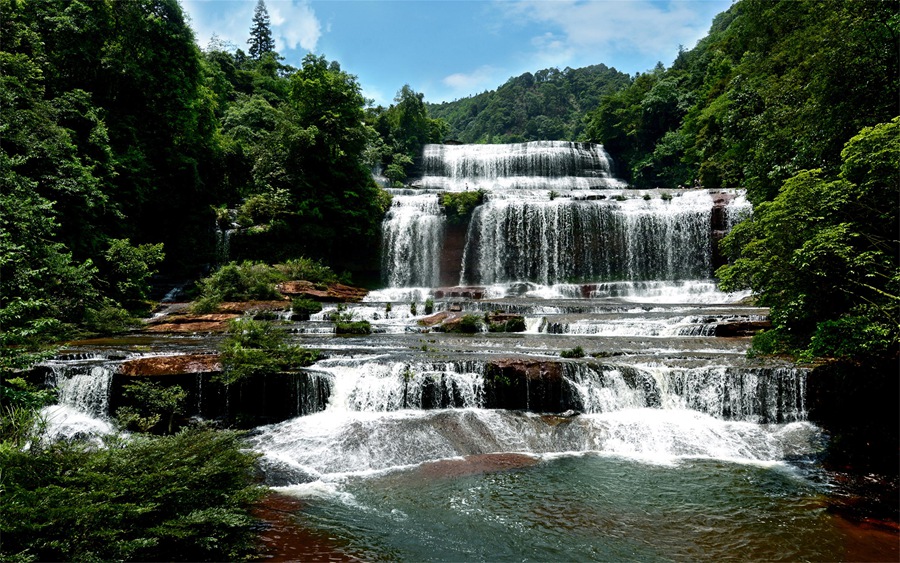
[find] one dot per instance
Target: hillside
(549, 104)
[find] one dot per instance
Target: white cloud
(481, 76)
(604, 27)
(294, 23)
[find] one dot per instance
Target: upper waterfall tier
(553, 165)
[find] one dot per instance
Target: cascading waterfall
(563, 240)
(83, 387)
(411, 241)
(553, 213)
(544, 165)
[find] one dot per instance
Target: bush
(257, 348)
(303, 308)
(152, 404)
(429, 306)
(576, 352)
(850, 337)
(352, 327)
(180, 498)
(238, 282)
(458, 206)
(108, 318)
(307, 269)
(512, 325)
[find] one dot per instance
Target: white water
(411, 241)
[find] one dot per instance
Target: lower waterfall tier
(551, 240)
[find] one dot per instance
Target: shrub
(152, 404)
(468, 324)
(307, 269)
(352, 327)
(576, 352)
(458, 206)
(304, 308)
(180, 498)
(257, 348)
(108, 319)
(429, 306)
(413, 309)
(666, 196)
(238, 282)
(646, 197)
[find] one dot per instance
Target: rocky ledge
(171, 365)
(333, 292)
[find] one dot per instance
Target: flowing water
(664, 443)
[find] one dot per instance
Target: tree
(824, 254)
(260, 41)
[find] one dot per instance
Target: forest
(123, 145)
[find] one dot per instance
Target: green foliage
(20, 404)
(108, 318)
(403, 129)
(130, 269)
(512, 325)
(824, 253)
(413, 309)
(246, 281)
(775, 88)
(468, 324)
(458, 206)
(548, 104)
(257, 348)
(429, 306)
(309, 270)
(180, 498)
(151, 404)
(576, 352)
(352, 327)
(303, 307)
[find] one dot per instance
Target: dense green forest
(549, 104)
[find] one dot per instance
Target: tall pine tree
(260, 41)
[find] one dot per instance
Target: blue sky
(451, 49)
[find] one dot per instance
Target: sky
(451, 49)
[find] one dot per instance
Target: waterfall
(563, 240)
(757, 395)
(545, 165)
(412, 233)
(367, 385)
(553, 214)
(82, 387)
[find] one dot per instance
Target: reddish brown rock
(188, 327)
(436, 318)
(171, 365)
(334, 292)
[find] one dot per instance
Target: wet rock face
(741, 328)
(523, 384)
